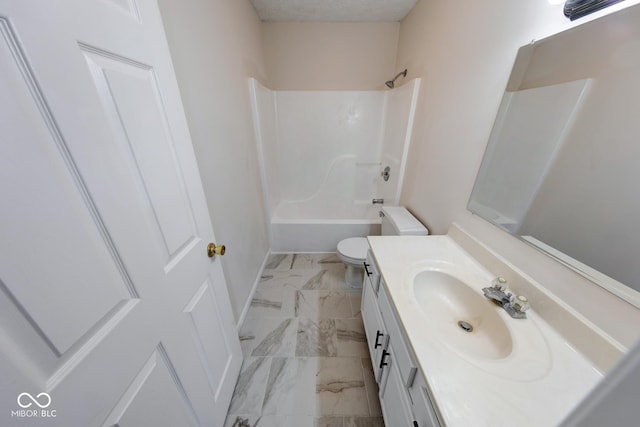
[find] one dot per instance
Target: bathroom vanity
(443, 354)
(403, 391)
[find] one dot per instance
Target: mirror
(562, 165)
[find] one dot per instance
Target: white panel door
(109, 303)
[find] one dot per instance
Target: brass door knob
(213, 250)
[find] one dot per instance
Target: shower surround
(321, 157)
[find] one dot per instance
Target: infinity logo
(47, 398)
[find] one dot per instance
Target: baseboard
(247, 304)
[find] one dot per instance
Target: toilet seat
(353, 250)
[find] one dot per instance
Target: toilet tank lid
(404, 222)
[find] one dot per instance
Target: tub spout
(377, 201)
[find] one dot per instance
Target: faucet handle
(521, 304)
(499, 283)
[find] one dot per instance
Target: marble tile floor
(306, 362)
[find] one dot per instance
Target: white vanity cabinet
(377, 337)
(403, 391)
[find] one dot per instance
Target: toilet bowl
(396, 221)
(353, 252)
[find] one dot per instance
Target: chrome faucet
(514, 305)
(377, 201)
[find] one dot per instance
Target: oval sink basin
(464, 319)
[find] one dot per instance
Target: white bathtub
(314, 227)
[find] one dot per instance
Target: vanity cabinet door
(407, 367)
(377, 338)
(394, 401)
(423, 409)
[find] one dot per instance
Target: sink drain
(465, 326)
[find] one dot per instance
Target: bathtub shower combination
(322, 160)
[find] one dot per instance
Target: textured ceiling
(333, 10)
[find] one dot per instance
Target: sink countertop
(531, 387)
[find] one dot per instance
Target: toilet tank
(397, 221)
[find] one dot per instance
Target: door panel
(127, 88)
(44, 197)
(156, 387)
(108, 301)
(209, 336)
(127, 6)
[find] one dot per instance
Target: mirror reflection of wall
(562, 165)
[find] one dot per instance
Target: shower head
(390, 83)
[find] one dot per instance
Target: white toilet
(396, 221)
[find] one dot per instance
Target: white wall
(330, 56)
(464, 53)
(216, 46)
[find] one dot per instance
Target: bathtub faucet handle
(377, 201)
(385, 174)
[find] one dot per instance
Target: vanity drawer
(404, 359)
(371, 272)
